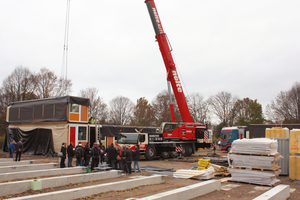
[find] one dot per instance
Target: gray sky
(248, 48)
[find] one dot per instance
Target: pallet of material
(254, 176)
(250, 161)
(257, 169)
(259, 146)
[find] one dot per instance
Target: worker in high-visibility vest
(91, 120)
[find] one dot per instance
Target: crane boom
(172, 75)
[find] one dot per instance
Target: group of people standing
(82, 154)
(121, 158)
(117, 158)
(16, 147)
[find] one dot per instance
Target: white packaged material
(259, 146)
(195, 174)
(247, 161)
(254, 176)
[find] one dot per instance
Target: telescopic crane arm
(172, 75)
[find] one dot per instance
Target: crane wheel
(150, 152)
(173, 154)
(165, 154)
(189, 150)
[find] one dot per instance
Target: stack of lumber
(254, 161)
(219, 170)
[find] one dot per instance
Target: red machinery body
(186, 130)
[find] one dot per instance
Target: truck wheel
(184, 150)
(189, 150)
(165, 154)
(150, 152)
(173, 154)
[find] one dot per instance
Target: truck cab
(229, 134)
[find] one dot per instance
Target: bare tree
(161, 108)
(46, 83)
(286, 106)
(222, 105)
(120, 111)
(198, 108)
(63, 87)
(19, 85)
(97, 109)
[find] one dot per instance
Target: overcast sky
(248, 48)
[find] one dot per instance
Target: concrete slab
(278, 192)
(96, 189)
(13, 163)
(22, 186)
(18, 168)
(188, 192)
(5, 159)
(36, 173)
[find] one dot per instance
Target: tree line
(229, 110)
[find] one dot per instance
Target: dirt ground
(240, 191)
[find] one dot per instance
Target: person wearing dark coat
(136, 158)
(95, 153)
(123, 156)
(70, 152)
(80, 155)
(19, 149)
(129, 155)
(63, 149)
(102, 157)
(87, 154)
(111, 155)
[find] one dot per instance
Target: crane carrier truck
(185, 137)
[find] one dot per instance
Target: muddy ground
(241, 191)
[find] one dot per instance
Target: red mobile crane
(188, 129)
(186, 136)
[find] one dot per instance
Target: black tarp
(114, 130)
(43, 110)
(35, 142)
(259, 130)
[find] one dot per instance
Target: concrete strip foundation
(96, 189)
(6, 159)
(19, 168)
(22, 186)
(13, 163)
(188, 192)
(278, 192)
(37, 173)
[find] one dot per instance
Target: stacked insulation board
(254, 161)
(282, 135)
(277, 132)
(294, 172)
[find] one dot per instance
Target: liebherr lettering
(177, 81)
